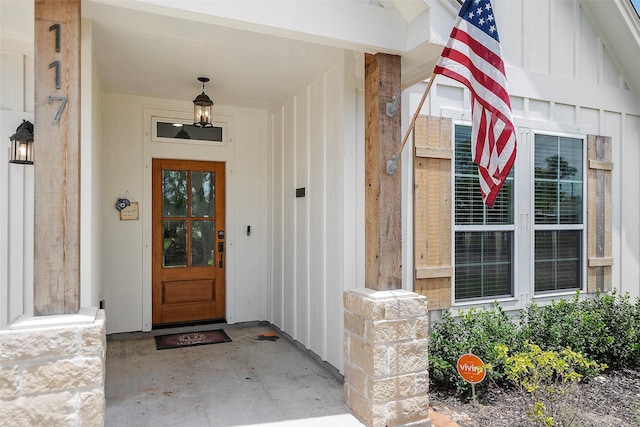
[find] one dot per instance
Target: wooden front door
(188, 241)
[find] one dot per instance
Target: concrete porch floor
(245, 382)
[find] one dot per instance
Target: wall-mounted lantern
(202, 108)
(22, 144)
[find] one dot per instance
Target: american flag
(473, 56)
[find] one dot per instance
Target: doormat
(191, 339)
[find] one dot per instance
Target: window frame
(503, 299)
(158, 119)
(545, 296)
(524, 226)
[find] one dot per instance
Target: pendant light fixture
(202, 108)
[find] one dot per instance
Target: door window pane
(174, 193)
(174, 248)
(202, 194)
(202, 243)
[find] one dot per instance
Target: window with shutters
(484, 237)
(548, 234)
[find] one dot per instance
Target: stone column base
(52, 371)
(386, 365)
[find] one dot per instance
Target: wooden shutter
(432, 210)
(599, 253)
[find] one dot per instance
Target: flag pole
(392, 164)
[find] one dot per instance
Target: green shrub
(546, 380)
(605, 328)
(477, 332)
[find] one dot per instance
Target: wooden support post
(383, 223)
(57, 157)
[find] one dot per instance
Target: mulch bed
(609, 400)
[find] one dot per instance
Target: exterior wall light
(202, 108)
(22, 144)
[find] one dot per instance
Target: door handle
(220, 250)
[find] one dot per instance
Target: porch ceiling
(159, 56)
(257, 53)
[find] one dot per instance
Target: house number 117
(56, 65)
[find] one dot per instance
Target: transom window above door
(183, 131)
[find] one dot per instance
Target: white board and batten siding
(16, 184)
(562, 79)
(17, 99)
(314, 239)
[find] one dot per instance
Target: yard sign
(471, 368)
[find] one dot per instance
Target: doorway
(188, 241)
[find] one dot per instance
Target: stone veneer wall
(53, 376)
(386, 363)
